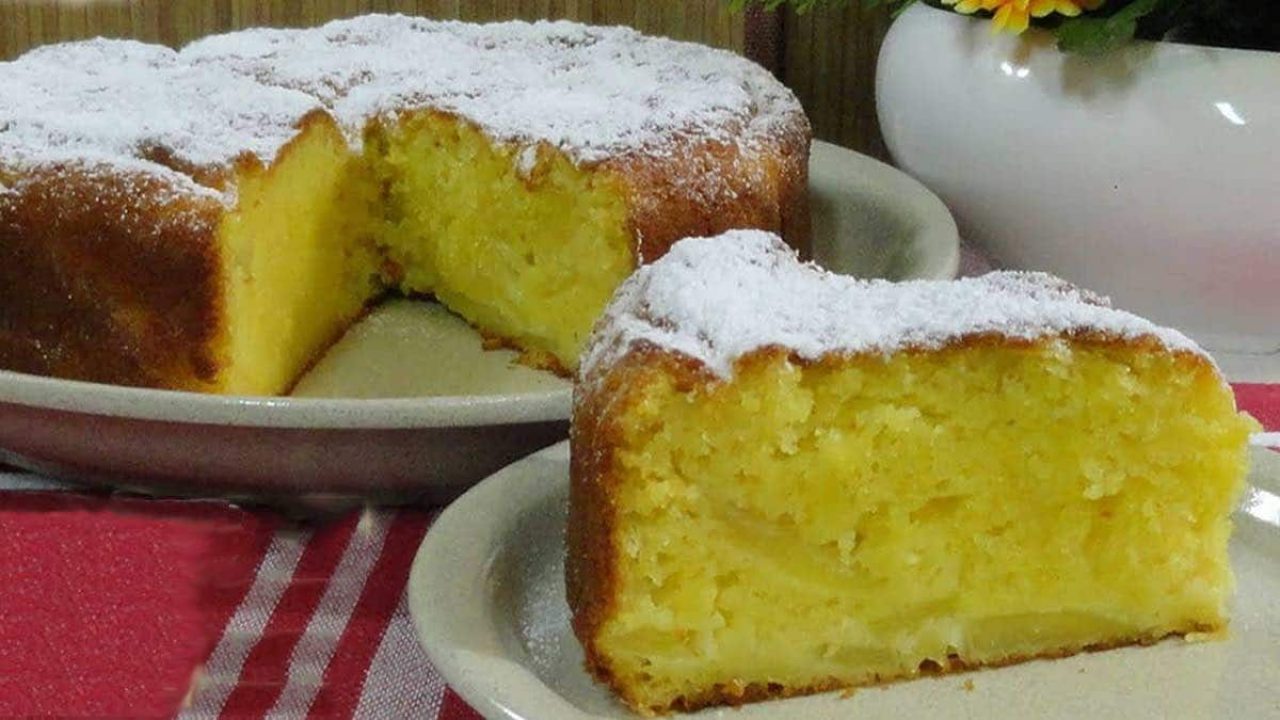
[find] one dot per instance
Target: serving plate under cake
(407, 405)
(488, 600)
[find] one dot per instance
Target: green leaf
(1089, 35)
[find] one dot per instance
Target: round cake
(211, 218)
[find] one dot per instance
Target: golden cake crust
(706, 188)
(109, 277)
(592, 534)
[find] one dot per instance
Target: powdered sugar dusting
(139, 107)
(593, 92)
(716, 299)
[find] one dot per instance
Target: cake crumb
(527, 162)
(968, 685)
(1205, 636)
(848, 693)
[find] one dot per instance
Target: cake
(211, 218)
(786, 481)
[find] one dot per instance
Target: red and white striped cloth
(138, 608)
(129, 607)
(324, 630)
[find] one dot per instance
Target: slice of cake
(786, 481)
(213, 218)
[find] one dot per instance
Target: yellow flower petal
(1068, 9)
(1001, 19)
(1043, 8)
(1009, 18)
(1014, 16)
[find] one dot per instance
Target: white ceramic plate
(407, 405)
(487, 597)
(872, 220)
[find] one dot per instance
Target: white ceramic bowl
(1149, 174)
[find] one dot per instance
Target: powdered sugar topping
(717, 299)
(595, 93)
(138, 107)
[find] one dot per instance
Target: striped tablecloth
(114, 607)
(131, 607)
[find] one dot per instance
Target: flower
(1015, 15)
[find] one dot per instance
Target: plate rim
(36, 392)
(939, 235)
(434, 637)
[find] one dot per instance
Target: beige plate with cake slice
(487, 597)
(407, 405)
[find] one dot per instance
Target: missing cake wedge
(786, 481)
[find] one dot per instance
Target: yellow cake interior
(846, 522)
(520, 242)
(299, 260)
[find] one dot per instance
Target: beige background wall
(827, 56)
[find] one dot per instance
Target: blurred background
(827, 56)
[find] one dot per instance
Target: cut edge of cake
(667, 329)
